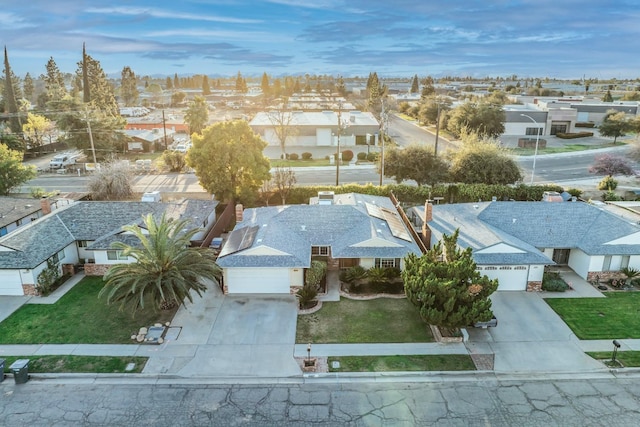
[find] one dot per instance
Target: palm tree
(166, 267)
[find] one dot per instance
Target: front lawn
(431, 362)
(629, 359)
(374, 321)
(614, 317)
(54, 364)
(79, 317)
(562, 149)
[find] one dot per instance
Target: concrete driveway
(529, 337)
(248, 335)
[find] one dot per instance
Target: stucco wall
(580, 262)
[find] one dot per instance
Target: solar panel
(374, 211)
(239, 240)
(395, 225)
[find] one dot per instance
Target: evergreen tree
(10, 104)
(28, 87)
(415, 84)
(13, 172)
(97, 87)
(54, 85)
(129, 87)
(168, 83)
(241, 84)
(197, 115)
(264, 85)
(176, 81)
(427, 88)
(206, 90)
(607, 97)
(446, 287)
(85, 77)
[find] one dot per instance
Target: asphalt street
(461, 401)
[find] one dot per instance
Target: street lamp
(535, 153)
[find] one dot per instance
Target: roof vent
(303, 228)
(476, 206)
(513, 220)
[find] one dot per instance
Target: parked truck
(63, 160)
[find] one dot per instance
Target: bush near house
(552, 282)
(574, 135)
(585, 125)
(375, 280)
(293, 156)
(306, 155)
(361, 156)
(347, 155)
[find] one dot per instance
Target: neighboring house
(316, 128)
(17, 212)
(80, 234)
(513, 241)
(270, 248)
(149, 140)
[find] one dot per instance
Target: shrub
(611, 196)
(347, 155)
(352, 274)
(376, 275)
(552, 282)
(396, 288)
(573, 135)
(372, 157)
(315, 273)
(306, 295)
(585, 125)
(392, 272)
(575, 192)
(293, 156)
(608, 183)
(306, 155)
(362, 156)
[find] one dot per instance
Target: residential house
(270, 247)
(17, 212)
(81, 233)
(317, 128)
(514, 241)
(149, 140)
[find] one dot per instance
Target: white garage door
(258, 280)
(510, 278)
(10, 283)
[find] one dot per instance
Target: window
(387, 262)
(115, 255)
(61, 255)
(54, 258)
(606, 264)
(320, 250)
(520, 267)
(19, 222)
(3, 231)
(534, 131)
(83, 243)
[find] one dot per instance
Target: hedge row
(585, 125)
(574, 135)
(450, 193)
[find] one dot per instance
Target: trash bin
(2, 370)
(20, 369)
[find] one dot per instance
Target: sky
(565, 39)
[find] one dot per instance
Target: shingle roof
(95, 221)
(294, 229)
(530, 226)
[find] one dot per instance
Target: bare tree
(112, 182)
(284, 179)
(265, 191)
(282, 121)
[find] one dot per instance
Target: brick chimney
(45, 206)
(239, 212)
(426, 231)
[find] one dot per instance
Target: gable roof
(33, 244)
(531, 226)
(292, 230)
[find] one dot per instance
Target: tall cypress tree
(10, 103)
(85, 77)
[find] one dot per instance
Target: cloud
(10, 20)
(166, 14)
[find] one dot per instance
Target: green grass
(432, 362)
(616, 316)
(79, 317)
(375, 321)
(564, 149)
(79, 364)
(629, 359)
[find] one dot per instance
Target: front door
(561, 256)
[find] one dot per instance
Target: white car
(181, 148)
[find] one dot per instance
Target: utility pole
(93, 148)
(164, 127)
(338, 156)
(382, 137)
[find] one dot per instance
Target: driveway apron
(530, 337)
(250, 335)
